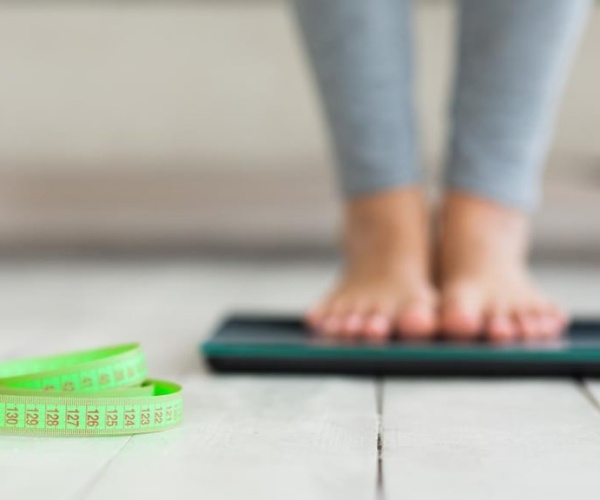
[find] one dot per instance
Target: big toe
(462, 314)
(378, 326)
(417, 320)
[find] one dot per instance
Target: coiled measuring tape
(101, 392)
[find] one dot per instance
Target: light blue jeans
(512, 59)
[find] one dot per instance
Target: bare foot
(485, 284)
(385, 286)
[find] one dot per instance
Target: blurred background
(193, 125)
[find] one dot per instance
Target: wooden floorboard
(591, 388)
(282, 437)
(245, 438)
(489, 439)
(267, 438)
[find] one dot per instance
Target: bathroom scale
(281, 344)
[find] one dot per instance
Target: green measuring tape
(102, 392)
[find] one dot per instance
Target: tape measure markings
(111, 367)
(92, 393)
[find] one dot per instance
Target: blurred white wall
(196, 124)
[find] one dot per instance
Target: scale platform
(281, 344)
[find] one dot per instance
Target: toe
(314, 317)
(461, 323)
(560, 319)
(378, 325)
(462, 315)
(417, 320)
(552, 320)
(551, 327)
(500, 327)
(336, 317)
(529, 324)
(352, 323)
(331, 325)
(319, 316)
(539, 320)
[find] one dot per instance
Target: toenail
(416, 323)
(500, 324)
(353, 321)
(501, 327)
(379, 324)
(462, 325)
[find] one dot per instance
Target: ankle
(473, 228)
(389, 231)
(472, 211)
(387, 207)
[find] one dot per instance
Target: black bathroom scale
(279, 344)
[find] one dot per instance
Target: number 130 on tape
(102, 392)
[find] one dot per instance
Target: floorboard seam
(94, 480)
(587, 394)
(379, 401)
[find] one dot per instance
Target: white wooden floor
(285, 437)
